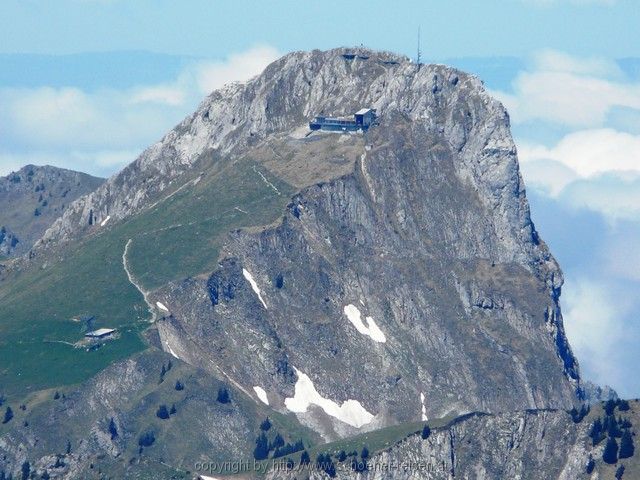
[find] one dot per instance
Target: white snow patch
(254, 285)
(305, 394)
(171, 350)
(104, 222)
(162, 306)
(204, 477)
(424, 408)
(262, 395)
(370, 329)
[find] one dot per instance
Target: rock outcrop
(32, 198)
(426, 239)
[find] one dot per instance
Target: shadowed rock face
(427, 233)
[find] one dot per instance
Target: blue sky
(87, 84)
(212, 28)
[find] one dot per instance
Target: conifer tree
(223, 395)
(626, 445)
(112, 429)
(261, 452)
(610, 453)
(8, 415)
(265, 425)
(162, 412)
(26, 470)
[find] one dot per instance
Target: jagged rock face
(101, 422)
(32, 198)
(417, 274)
(526, 445)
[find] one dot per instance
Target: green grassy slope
(178, 237)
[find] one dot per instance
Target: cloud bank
(101, 131)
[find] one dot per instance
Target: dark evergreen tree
(304, 458)
(56, 395)
(610, 453)
(112, 429)
(365, 453)
(623, 405)
(8, 415)
(288, 449)
(26, 470)
(261, 452)
(624, 423)
(68, 447)
(223, 395)
(179, 385)
(591, 464)
(277, 442)
(342, 456)
(173, 409)
(619, 472)
(324, 463)
(45, 476)
(612, 427)
(609, 406)
(290, 464)
(163, 372)
(162, 412)
(626, 445)
(146, 439)
(426, 431)
(578, 415)
(265, 425)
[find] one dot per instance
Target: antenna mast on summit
(419, 59)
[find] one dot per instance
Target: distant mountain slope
(32, 198)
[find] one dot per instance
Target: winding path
(133, 282)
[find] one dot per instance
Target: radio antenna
(419, 56)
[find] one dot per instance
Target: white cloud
(615, 197)
(594, 169)
(163, 94)
(590, 152)
(97, 131)
(555, 61)
(594, 327)
(213, 75)
(576, 92)
(623, 256)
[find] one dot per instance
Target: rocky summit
(314, 293)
